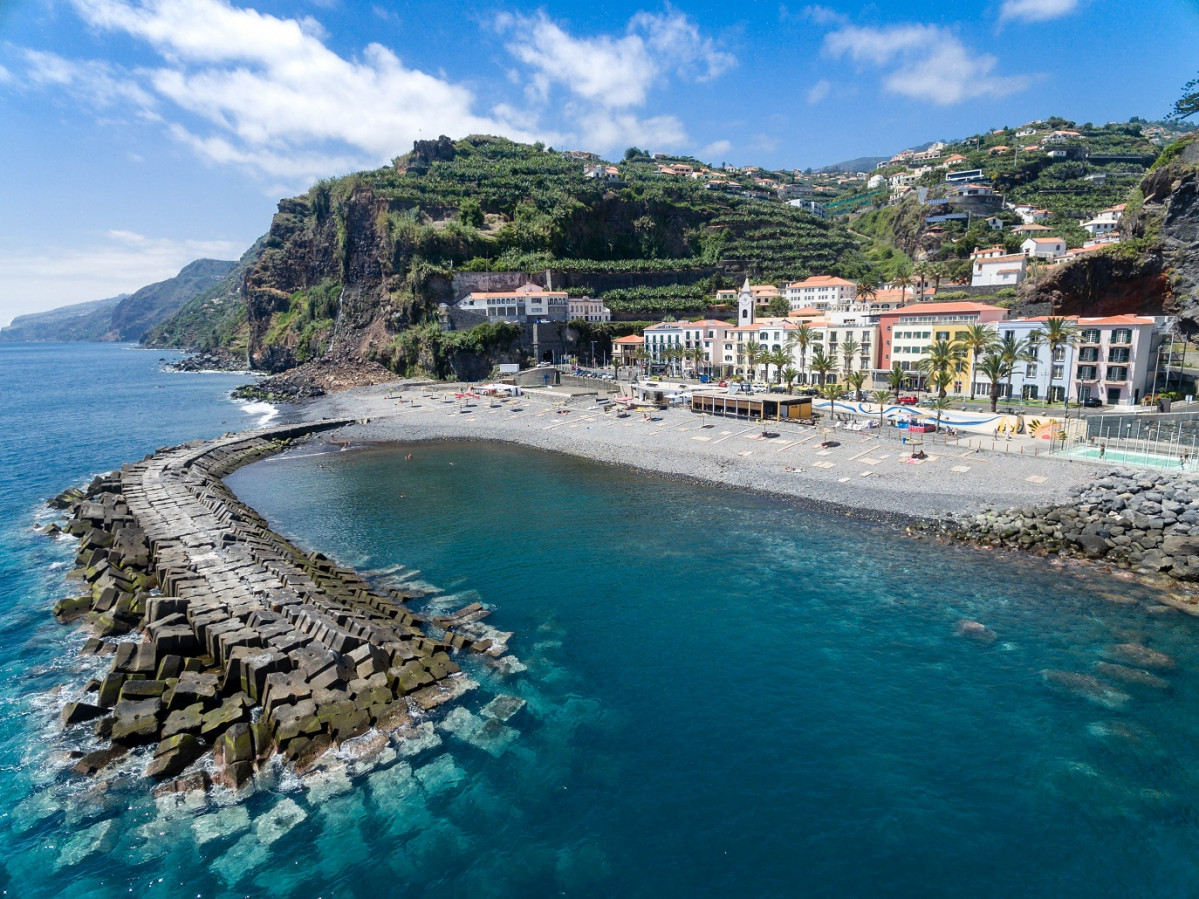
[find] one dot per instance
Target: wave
(264, 411)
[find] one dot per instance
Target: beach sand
(869, 472)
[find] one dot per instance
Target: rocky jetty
(1145, 521)
(247, 646)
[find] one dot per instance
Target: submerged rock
(1085, 686)
(1129, 675)
(1142, 656)
(975, 630)
(98, 839)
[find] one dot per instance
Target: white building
(529, 302)
(587, 309)
(820, 292)
(1116, 357)
(996, 268)
(1043, 247)
(1105, 221)
(1048, 375)
(707, 335)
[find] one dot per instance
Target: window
(1087, 372)
(1122, 335)
(1030, 370)
(942, 335)
(1090, 335)
(1117, 373)
(1058, 371)
(1088, 354)
(1059, 354)
(1117, 355)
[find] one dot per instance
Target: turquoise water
(1127, 457)
(725, 695)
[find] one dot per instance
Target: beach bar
(767, 407)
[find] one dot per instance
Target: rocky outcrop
(248, 646)
(1145, 521)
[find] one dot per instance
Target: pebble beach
(866, 473)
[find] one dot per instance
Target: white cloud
(263, 93)
(819, 90)
(822, 15)
(33, 279)
(715, 150)
(924, 62)
(615, 72)
(5, 75)
(1036, 10)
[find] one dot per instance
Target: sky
(138, 135)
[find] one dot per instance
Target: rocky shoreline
(1146, 522)
(248, 646)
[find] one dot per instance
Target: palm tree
(778, 357)
(849, 349)
(938, 359)
(864, 292)
(921, 269)
(750, 348)
(903, 282)
(789, 375)
(939, 405)
(617, 362)
(895, 378)
(939, 381)
(974, 341)
(1057, 332)
(641, 355)
(801, 337)
(880, 397)
(1012, 350)
(855, 379)
(993, 368)
(822, 365)
(830, 392)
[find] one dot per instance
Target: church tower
(745, 305)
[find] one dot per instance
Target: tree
(750, 349)
(939, 405)
(1012, 350)
(1057, 332)
(470, 213)
(849, 349)
(993, 368)
(778, 358)
(789, 375)
(830, 392)
(641, 355)
(976, 340)
(801, 337)
(865, 292)
(904, 283)
(938, 359)
(822, 365)
(633, 152)
(879, 398)
(895, 378)
(855, 379)
(1188, 104)
(778, 307)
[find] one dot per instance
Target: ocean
(723, 694)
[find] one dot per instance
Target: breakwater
(247, 646)
(1144, 521)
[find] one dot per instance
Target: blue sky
(141, 134)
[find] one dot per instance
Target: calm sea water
(725, 695)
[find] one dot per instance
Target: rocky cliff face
(1154, 271)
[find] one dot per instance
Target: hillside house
(587, 309)
(1105, 221)
(995, 267)
(821, 292)
(528, 303)
(1043, 247)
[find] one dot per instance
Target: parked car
(907, 401)
(1092, 402)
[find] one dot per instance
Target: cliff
(1154, 270)
(67, 324)
(124, 318)
(355, 268)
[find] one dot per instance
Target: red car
(907, 401)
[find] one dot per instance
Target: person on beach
(1102, 450)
